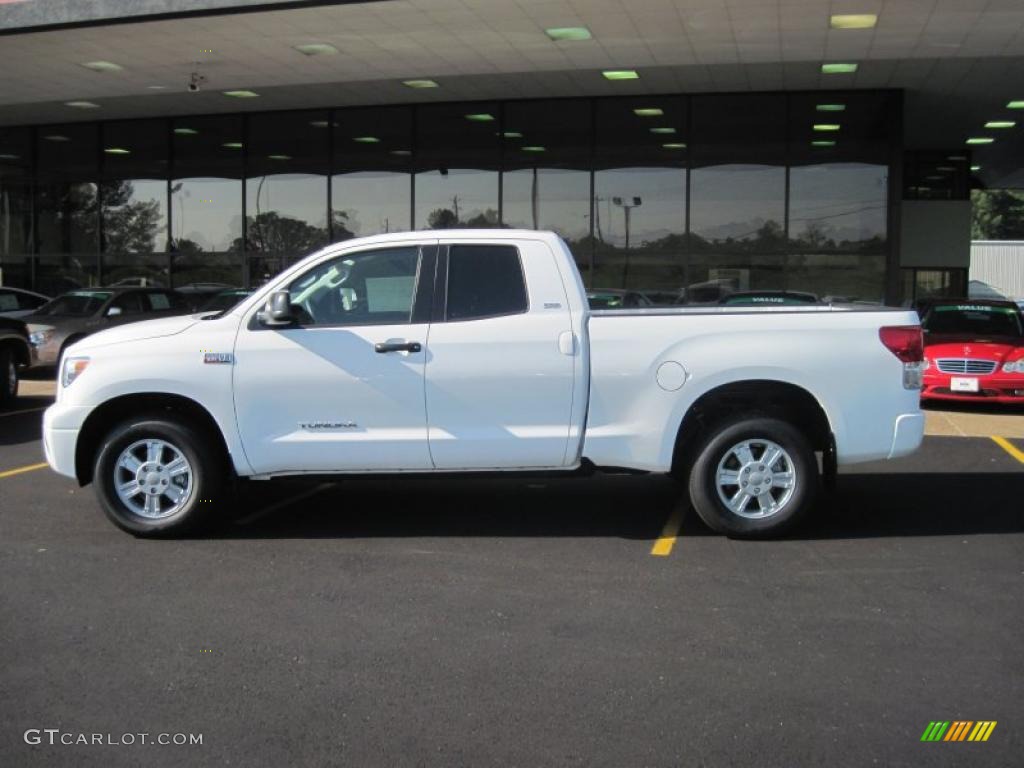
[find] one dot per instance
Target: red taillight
(904, 341)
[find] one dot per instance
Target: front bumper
(61, 425)
(994, 388)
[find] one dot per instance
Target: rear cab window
(484, 281)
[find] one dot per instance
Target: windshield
(76, 303)
(973, 320)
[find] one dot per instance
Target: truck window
(484, 281)
(369, 288)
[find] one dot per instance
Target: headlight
(1015, 366)
(38, 338)
(72, 369)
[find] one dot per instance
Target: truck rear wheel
(754, 478)
(160, 478)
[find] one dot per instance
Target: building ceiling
(960, 61)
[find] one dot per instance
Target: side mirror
(277, 311)
(114, 312)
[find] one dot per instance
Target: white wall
(1000, 263)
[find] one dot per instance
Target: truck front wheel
(755, 477)
(157, 477)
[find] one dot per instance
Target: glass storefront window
(67, 207)
(16, 244)
(546, 178)
(206, 200)
(371, 189)
(458, 152)
(639, 204)
(133, 197)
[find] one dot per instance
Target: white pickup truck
(470, 351)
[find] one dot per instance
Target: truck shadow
(636, 508)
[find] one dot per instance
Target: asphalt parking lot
(518, 622)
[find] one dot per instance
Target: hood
(144, 329)
(951, 345)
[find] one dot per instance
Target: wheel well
(775, 399)
(113, 411)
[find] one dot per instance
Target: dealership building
(683, 148)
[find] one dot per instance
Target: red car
(973, 351)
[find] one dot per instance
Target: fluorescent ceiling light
(823, 143)
(945, 168)
(480, 117)
(838, 68)
(366, 139)
(1000, 124)
(831, 107)
(975, 167)
(957, 157)
(649, 112)
(1017, 104)
(512, 135)
(980, 140)
(81, 104)
(186, 131)
(232, 144)
(102, 66)
(117, 151)
(826, 126)
(6, 156)
(56, 137)
(620, 74)
(316, 49)
(674, 145)
(532, 149)
(279, 157)
(401, 152)
(853, 20)
(420, 84)
(241, 94)
(157, 87)
(663, 130)
(568, 33)
(322, 124)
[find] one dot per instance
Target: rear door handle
(397, 346)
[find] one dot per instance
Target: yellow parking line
(20, 470)
(663, 546)
(1010, 448)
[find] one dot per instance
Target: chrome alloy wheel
(153, 478)
(756, 478)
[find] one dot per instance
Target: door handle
(397, 346)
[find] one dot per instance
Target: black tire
(760, 520)
(8, 376)
(208, 492)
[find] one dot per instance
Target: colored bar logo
(958, 730)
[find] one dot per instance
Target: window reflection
(67, 207)
(457, 158)
(206, 200)
(371, 191)
(134, 203)
(286, 190)
(546, 182)
(15, 207)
